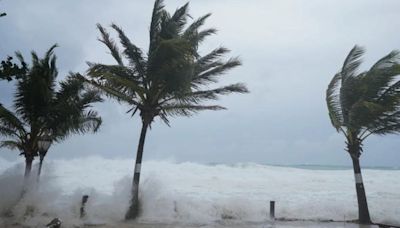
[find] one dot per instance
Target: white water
(189, 192)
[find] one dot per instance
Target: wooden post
(272, 210)
(83, 203)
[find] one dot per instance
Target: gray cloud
(290, 51)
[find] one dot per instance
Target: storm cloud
(290, 51)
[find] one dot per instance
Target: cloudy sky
(290, 50)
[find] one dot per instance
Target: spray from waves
(41, 203)
(189, 192)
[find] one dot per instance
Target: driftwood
(55, 223)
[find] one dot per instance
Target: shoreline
(215, 224)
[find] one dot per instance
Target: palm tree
(70, 114)
(168, 81)
(41, 110)
(363, 104)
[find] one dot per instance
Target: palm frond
(386, 124)
(118, 77)
(333, 102)
(390, 93)
(20, 57)
(198, 96)
(352, 62)
(211, 71)
(387, 61)
(155, 25)
(200, 37)
(91, 121)
(111, 92)
(8, 132)
(105, 39)
(211, 57)
(86, 122)
(89, 97)
(10, 122)
(178, 20)
(195, 26)
(181, 109)
(50, 53)
(352, 84)
(12, 145)
(133, 53)
(380, 77)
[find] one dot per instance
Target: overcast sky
(290, 51)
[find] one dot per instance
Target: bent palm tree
(42, 110)
(69, 113)
(169, 81)
(362, 104)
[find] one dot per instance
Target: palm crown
(41, 109)
(361, 104)
(168, 80)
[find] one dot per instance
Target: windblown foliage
(42, 109)
(365, 103)
(171, 78)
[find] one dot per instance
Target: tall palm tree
(169, 81)
(363, 104)
(42, 110)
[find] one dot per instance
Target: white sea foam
(190, 192)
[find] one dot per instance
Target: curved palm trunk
(133, 210)
(363, 212)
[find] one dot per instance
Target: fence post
(272, 210)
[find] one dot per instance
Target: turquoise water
(332, 167)
(313, 166)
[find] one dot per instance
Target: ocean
(194, 193)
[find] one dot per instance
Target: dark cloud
(290, 50)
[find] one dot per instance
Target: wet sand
(279, 224)
(217, 224)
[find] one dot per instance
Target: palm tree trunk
(363, 212)
(40, 168)
(133, 210)
(28, 167)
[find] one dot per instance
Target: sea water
(188, 192)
